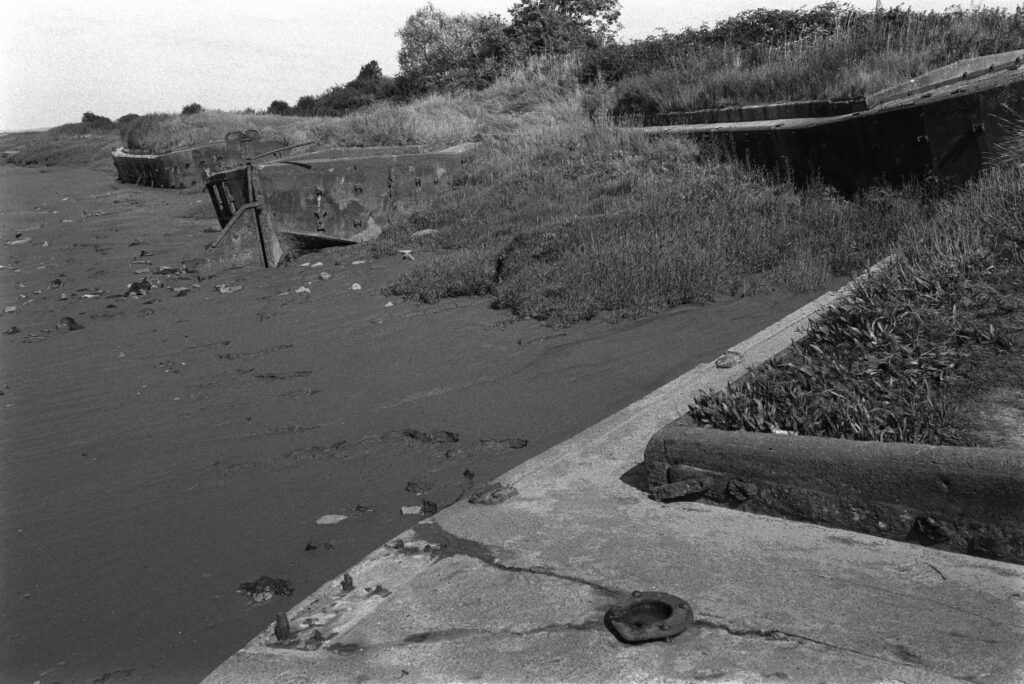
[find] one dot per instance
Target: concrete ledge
(960, 499)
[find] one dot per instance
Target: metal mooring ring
(649, 616)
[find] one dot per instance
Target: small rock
(67, 323)
(494, 493)
(55, 284)
(346, 582)
(728, 359)
(181, 291)
(324, 275)
(228, 289)
(389, 304)
(302, 290)
(357, 286)
(138, 288)
(310, 546)
(412, 510)
(10, 309)
(331, 519)
(429, 507)
(356, 263)
(13, 330)
(317, 264)
(425, 232)
(406, 254)
(20, 241)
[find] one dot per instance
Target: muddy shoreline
(177, 445)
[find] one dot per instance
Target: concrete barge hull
(946, 134)
(318, 202)
(187, 167)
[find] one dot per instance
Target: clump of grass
(892, 362)
(579, 219)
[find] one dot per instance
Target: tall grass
(575, 219)
(862, 52)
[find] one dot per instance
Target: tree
(369, 72)
(441, 51)
(558, 26)
(279, 107)
(193, 108)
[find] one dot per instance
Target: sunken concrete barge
(329, 197)
(942, 127)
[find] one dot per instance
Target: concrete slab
(517, 591)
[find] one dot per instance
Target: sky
(61, 58)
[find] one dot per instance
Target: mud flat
(177, 442)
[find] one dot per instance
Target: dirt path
(176, 446)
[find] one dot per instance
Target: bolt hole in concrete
(649, 616)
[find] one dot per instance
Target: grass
(541, 91)
(863, 52)
(896, 360)
(65, 145)
(579, 219)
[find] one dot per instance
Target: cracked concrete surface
(518, 591)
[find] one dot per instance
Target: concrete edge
(953, 498)
(397, 563)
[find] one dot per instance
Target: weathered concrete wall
(946, 134)
(763, 112)
(343, 199)
(969, 500)
(186, 167)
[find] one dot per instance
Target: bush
(193, 108)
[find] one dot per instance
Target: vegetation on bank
(578, 219)
(896, 359)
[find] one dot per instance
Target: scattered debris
(428, 507)
(503, 443)
(56, 283)
(266, 588)
(13, 330)
(10, 309)
(318, 264)
(228, 289)
(494, 493)
(406, 254)
(417, 487)
(181, 291)
(302, 290)
(361, 261)
(434, 436)
(310, 546)
(19, 240)
(282, 630)
(67, 324)
(324, 275)
(139, 288)
(331, 519)
(728, 359)
(379, 590)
